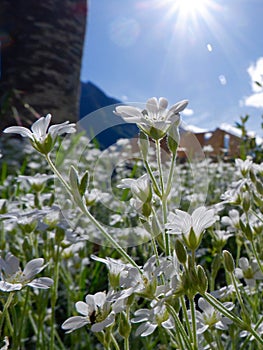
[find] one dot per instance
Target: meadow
(126, 248)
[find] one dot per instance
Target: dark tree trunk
(41, 52)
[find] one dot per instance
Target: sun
(187, 9)
(190, 6)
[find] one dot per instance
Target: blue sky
(207, 51)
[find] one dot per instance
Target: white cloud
(187, 112)
(255, 100)
(255, 71)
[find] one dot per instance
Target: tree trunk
(41, 52)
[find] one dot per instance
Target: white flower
(114, 266)
(95, 310)
(244, 165)
(140, 187)
(155, 120)
(210, 317)
(191, 227)
(41, 135)
(13, 278)
(249, 271)
(157, 316)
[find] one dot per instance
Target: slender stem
(159, 163)
(54, 296)
(24, 311)
(126, 344)
(83, 208)
(114, 342)
(192, 307)
(5, 311)
(153, 179)
(247, 340)
(179, 326)
(170, 177)
(186, 317)
(256, 255)
(240, 300)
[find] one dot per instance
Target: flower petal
(39, 128)
(9, 287)
(83, 308)
(41, 283)
(98, 327)
(73, 323)
(32, 268)
(21, 130)
(129, 113)
(152, 105)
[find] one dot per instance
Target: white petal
(91, 302)
(100, 298)
(74, 322)
(24, 132)
(178, 107)
(39, 128)
(41, 283)
(152, 105)
(168, 324)
(243, 263)
(83, 308)
(32, 268)
(10, 265)
(163, 103)
(129, 114)
(9, 287)
(98, 327)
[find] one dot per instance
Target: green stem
(24, 312)
(179, 326)
(54, 297)
(153, 179)
(240, 300)
(83, 208)
(170, 177)
(256, 255)
(114, 341)
(186, 318)
(247, 340)
(5, 311)
(159, 163)
(192, 307)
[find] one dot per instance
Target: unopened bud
(229, 261)
(246, 202)
(259, 187)
(202, 279)
(180, 251)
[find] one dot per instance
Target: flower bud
(192, 241)
(252, 176)
(202, 279)
(229, 261)
(180, 251)
(246, 202)
(173, 138)
(259, 187)
(124, 326)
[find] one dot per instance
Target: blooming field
(127, 248)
